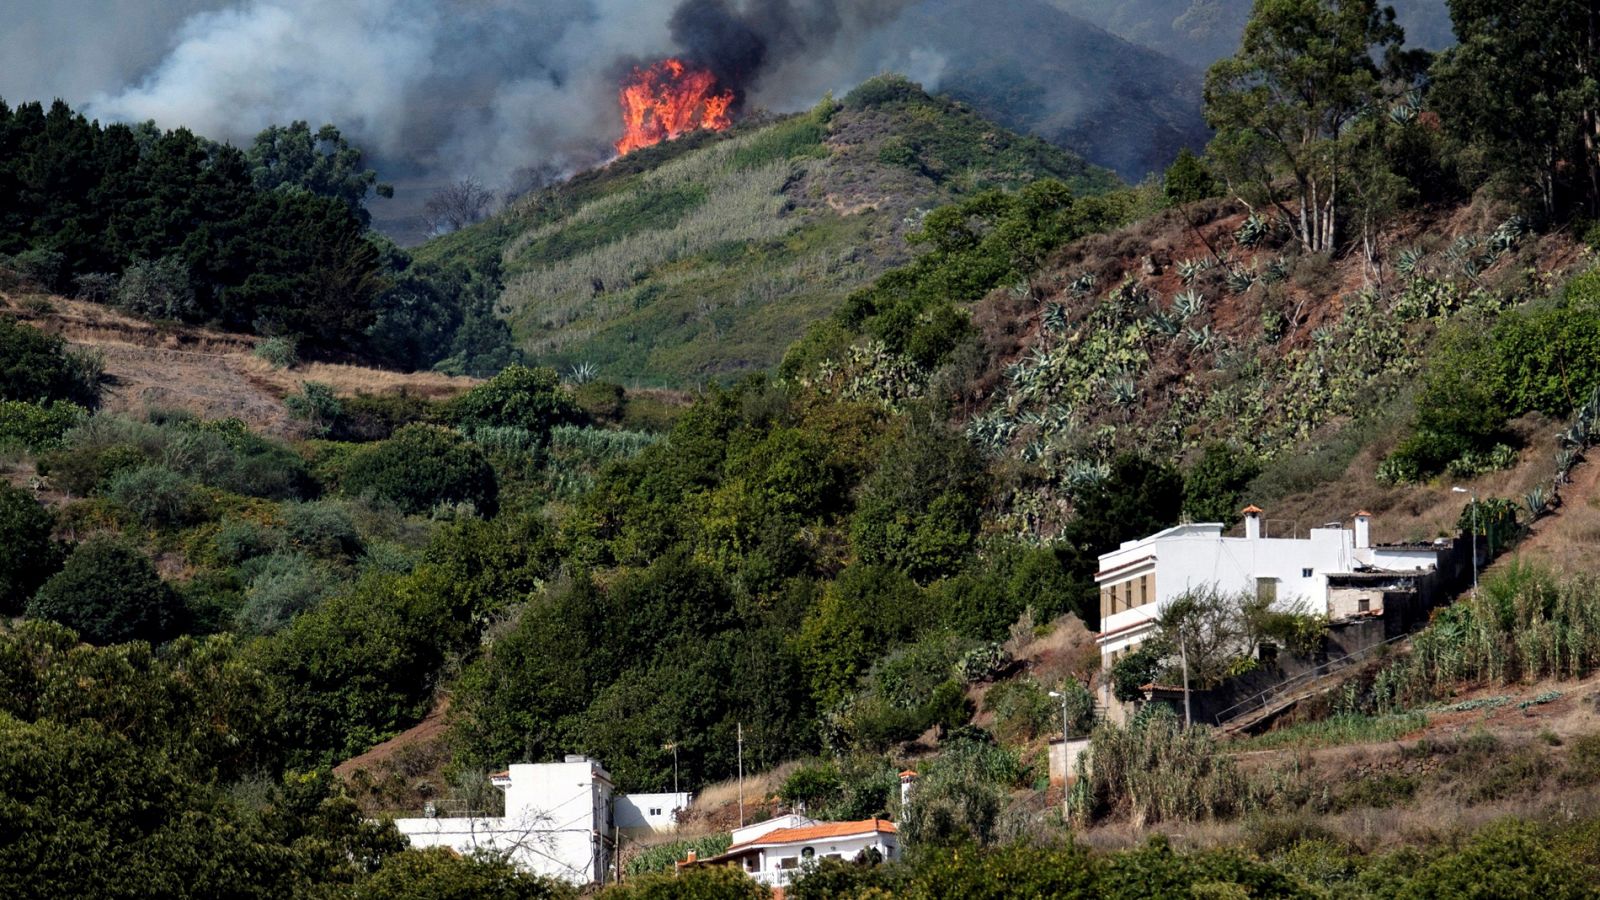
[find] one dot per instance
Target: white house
(1142, 576)
(639, 815)
(557, 821)
(777, 855)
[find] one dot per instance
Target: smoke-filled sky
(440, 89)
(461, 86)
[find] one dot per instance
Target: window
(655, 811)
(1127, 594)
(1305, 573)
(1267, 590)
(752, 864)
(808, 853)
(1144, 589)
(789, 862)
(1364, 605)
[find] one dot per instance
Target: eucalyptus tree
(1305, 71)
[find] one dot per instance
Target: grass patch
(1346, 728)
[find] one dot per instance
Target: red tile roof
(819, 832)
(1252, 509)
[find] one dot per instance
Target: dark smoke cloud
(740, 44)
(442, 89)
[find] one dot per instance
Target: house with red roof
(777, 855)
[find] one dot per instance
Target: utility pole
(1066, 732)
(1183, 654)
(740, 727)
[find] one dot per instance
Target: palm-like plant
(583, 373)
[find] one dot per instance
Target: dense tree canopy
(1306, 70)
(1522, 89)
(109, 593)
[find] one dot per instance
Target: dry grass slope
(213, 374)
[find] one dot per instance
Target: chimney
(1363, 530)
(1252, 522)
(907, 779)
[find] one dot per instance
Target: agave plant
(1188, 304)
(1191, 269)
(1083, 474)
(583, 373)
(1402, 114)
(1253, 231)
(1054, 318)
(1277, 270)
(1537, 499)
(1241, 280)
(1408, 261)
(1083, 285)
(1565, 460)
(1123, 392)
(1507, 235)
(1202, 339)
(1165, 323)
(1322, 335)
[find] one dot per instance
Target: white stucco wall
(1190, 557)
(747, 833)
(654, 813)
(557, 822)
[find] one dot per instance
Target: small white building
(779, 854)
(557, 821)
(640, 815)
(1139, 578)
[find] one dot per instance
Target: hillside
(1199, 32)
(1038, 70)
(211, 374)
(702, 259)
(1139, 343)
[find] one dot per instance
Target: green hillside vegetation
(702, 261)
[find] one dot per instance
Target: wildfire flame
(669, 99)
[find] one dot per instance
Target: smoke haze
(440, 89)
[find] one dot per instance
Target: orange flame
(670, 99)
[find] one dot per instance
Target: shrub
(316, 406)
(30, 555)
(281, 586)
(518, 397)
(238, 540)
(156, 497)
(376, 417)
(108, 593)
(38, 367)
(438, 873)
(421, 467)
(1022, 711)
(700, 883)
(1213, 489)
(322, 528)
(38, 426)
(158, 289)
(811, 785)
(279, 352)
